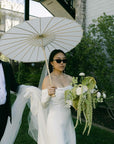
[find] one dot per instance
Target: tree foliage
(29, 74)
(95, 54)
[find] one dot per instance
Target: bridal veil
(37, 125)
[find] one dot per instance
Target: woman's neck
(57, 73)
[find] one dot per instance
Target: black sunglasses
(59, 60)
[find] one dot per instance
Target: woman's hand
(51, 91)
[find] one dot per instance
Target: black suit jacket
(10, 85)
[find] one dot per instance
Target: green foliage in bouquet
(83, 96)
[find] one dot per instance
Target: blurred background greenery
(95, 57)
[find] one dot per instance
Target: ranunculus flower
(104, 95)
(79, 91)
(81, 74)
(98, 94)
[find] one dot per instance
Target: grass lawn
(97, 135)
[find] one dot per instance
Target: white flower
(98, 94)
(104, 95)
(81, 74)
(79, 91)
(69, 102)
(93, 90)
(85, 88)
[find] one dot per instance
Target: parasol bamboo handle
(47, 65)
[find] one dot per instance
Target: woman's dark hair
(53, 53)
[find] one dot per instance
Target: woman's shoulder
(68, 76)
(46, 79)
(45, 83)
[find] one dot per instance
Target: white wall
(96, 8)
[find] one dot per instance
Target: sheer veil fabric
(12, 129)
(37, 115)
(43, 75)
(31, 96)
(44, 112)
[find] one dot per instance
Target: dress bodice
(58, 99)
(60, 128)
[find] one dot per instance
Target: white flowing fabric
(53, 116)
(38, 116)
(12, 129)
(59, 126)
(50, 119)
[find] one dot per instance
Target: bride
(50, 120)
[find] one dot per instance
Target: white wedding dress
(50, 119)
(60, 128)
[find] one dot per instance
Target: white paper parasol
(32, 41)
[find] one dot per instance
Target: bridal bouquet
(83, 97)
